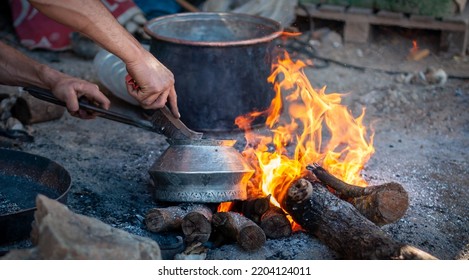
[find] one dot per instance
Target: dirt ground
(421, 141)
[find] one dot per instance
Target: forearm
(91, 18)
(16, 69)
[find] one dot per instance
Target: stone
(58, 233)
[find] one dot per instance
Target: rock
(436, 76)
(333, 39)
(14, 124)
(59, 233)
(359, 53)
(194, 251)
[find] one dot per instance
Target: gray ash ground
(421, 141)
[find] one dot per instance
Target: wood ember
(417, 55)
(339, 225)
(235, 227)
(197, 225)
(275, 223)
(169, 218)
(381, 204)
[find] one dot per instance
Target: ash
(6, 206)
(421, 141)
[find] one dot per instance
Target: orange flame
(318, 128)
(225, 206)
(415, 47)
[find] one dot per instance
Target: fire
(316, 128)
(415, 46)
(225, 206)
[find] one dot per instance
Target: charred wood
(169, 218)
(235, 227)
(30, 110)
(252, 208)
(197, 225)
(339, 225)
(381, 204)
(275, 223)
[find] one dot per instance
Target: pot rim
(201, 142)
(180, 16)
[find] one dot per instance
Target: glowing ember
(318, 129)
(225, 206)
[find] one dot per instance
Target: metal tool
(191, 169)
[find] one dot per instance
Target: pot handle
(160, 121)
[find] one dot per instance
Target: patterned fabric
(36, 31)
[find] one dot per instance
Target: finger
(133, 92)
(92, 93)
(156, 101)
(71, 100)
(173, 104)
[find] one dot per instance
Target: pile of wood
(345, 217)
(249, 223)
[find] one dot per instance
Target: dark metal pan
(22, 177)
(191, 169)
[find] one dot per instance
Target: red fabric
(35, 30)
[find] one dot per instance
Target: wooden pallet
(358, 21)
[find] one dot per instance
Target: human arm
(16, 69)
(91, 18)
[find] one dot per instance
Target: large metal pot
(192, 169)
(200, 171)
(221, 62)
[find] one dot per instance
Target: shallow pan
(22, 177)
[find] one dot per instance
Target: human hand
(155, 83)
(70, 89)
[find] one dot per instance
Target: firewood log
(340, 226)
(381, 204)
(30, 110)
(169, 218)
(235, 227)
(275, 223)
(252, 208)
(197, 225)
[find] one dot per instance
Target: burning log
(235, 227)
(381, 204)
(252, 208)
(170, 218)
(275, 223)
(339, 225)
(197, 225)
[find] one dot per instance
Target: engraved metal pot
(191, 169)
(200, 171)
